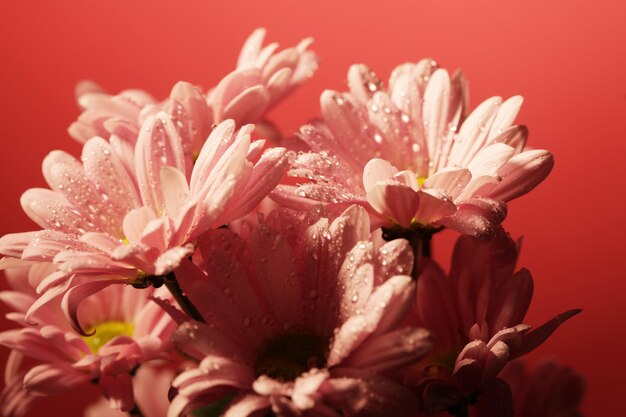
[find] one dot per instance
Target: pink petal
(106, 170)
(251, 48)
(51, 210)
(490, 159)
(248, 406)
(248, 106)
(220, 139)
(433, 206)
(363, 82)
(506, 116)
(356, 280)
(175, 189)
(394, 202)
(72, 298)
(391, 351)
(435, 111)
(514, 136)
(476, 217)
(265, 176)
(536, 337)
(198, 340)
(53, 379)
(136, 221)
(473, 134)
(385, 309)
(522, 173)
(158, 145)
(513, 301)
(118, 389)
(13, 244)
(449, 180)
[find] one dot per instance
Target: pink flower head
(303, 317)
(125, 329)
(476, 315)
(263, 77)
(406, 153)
(547, 389)
(121, 116)
(127, 216)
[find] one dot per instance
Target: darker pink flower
(125, 329)
(303, 317)
(406, 153)
(547, 389)
(476, 315)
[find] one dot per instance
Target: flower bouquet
(196, 261)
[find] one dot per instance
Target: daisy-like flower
(130, 217)
(262, 78)
(125, 329)
(476, 316)
(303, 320)
(547, 389)
(406, 153)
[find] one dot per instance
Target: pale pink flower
(125, 330)
(547, 389)
(303, 317)
(130, 222)
(262, 78)
(120, 117)
(406, 153)
(476, 315)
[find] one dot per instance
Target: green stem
(172, 284)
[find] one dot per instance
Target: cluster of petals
(407, 154)
(129, 215)
(303, 317)
(263, 77)
(127, 329)
(309, 303)
(476, 315)
(151, 384)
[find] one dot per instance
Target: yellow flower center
(420, 181)
(104, 332)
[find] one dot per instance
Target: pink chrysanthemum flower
(263, 77)
(304, 321)
(125, 330)
(132, 222)
(120, 117)
(476, 316)
(547, 389)
(406, 153)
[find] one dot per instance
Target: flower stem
(459, 411)
(135, 412)
(419, 238)
(187, 306)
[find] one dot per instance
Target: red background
(567, 58)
